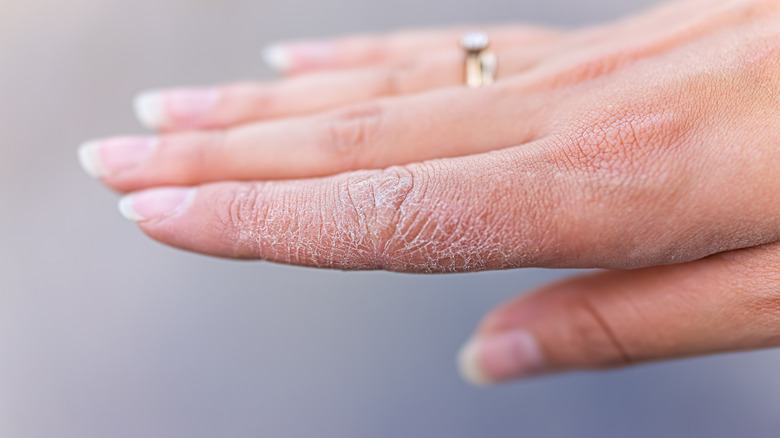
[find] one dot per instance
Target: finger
(448, 123)
(371, 50)
(401, 47)
(237, 104)
(230, 105)
(512, 208)
(728, 302)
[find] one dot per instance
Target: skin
(649, 146)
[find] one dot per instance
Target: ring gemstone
(475, 41)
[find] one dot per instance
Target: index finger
(523, 206)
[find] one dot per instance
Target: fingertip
(469, 366)
(150, 109)
(155, 204)
(501, 357)
(89, 159)
(300, 56)
(277, 57)
(126, 209)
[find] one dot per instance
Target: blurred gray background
(104, 333)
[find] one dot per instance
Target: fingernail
(296, 56)
(276, 57)
(156, 203)
(188, 107)
(150, 109)
(109, 157)
(500, 357)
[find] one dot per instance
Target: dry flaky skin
(647, 143)
(630, 174)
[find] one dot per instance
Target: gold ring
(480, 64)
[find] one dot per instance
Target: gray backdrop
(104, 333)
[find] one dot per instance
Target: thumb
(727, 302)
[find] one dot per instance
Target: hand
(649, 144)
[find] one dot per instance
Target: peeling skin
(451, 235)
(423, 218)
(536, 205)
(655, 157)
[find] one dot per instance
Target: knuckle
(620, 144)
(753, 283)
(195, 153)
(595, 67)
(378, 203)
(767, 307)
(413, 228)
(599, 64)
(416, 230)
(214, 147)
(399, 80)
(353, 135)
(241, 217)
(593, 341)
(582, 69)
(381, 48)
(252, 100)
(391, 199)
(626, 169)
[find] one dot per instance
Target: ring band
(480, 64)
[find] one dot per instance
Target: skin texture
(649, 145)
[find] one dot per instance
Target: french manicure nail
(112, 156)
(150, 109)
(277, 57)
(89, 158)
(187, 107)
(299, 55)
(499, 357)
(155, 203)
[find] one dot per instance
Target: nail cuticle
(156, 204)
(499, 357)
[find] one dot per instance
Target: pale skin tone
(649, 146)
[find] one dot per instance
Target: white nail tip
(276, 57)
(150, 109)
(89, 159)
(126, 208)
(469, 365)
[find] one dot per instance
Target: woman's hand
(650, 143)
